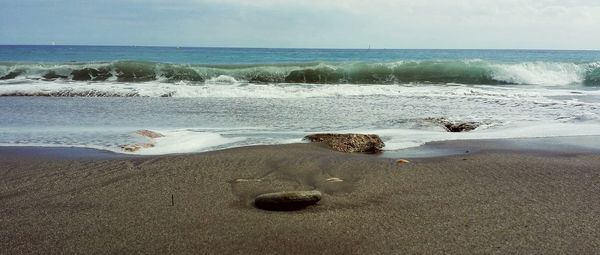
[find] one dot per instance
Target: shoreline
(545, 145)
(486, 201)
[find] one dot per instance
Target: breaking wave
(406, 72)
(223, 88)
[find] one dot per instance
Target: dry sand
(491, 201)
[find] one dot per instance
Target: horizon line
(297, 48)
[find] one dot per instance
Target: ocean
(205, 99)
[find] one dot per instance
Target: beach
(300, 127)
(487, 199)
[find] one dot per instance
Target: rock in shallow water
(461, 127)
(135, 147)
(456, 126)
(138, 146)
(349, 142)
(149, 134)
(287, 200)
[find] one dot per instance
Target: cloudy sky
(540, 24)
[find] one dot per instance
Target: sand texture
(502, 202)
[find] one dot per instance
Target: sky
(447, 24)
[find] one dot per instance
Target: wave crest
(421, 72)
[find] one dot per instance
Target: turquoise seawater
(64, 54)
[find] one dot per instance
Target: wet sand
(495, 200)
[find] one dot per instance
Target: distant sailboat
(53, 44)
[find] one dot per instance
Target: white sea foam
(541, 73)
(199, 140)
(509, 111)
(222, 79)
(185, 141)
(227, 87)
(397, 139)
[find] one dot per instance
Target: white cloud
(331, 23)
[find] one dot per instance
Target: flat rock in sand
(287, 200)
(367, 143)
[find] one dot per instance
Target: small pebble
(334, 179)
(247, 180)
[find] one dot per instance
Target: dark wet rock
(456, 126)
(51, 75)
(12, 75)
(91, 74)
(287, 200)
(367, 143)
(461, 127)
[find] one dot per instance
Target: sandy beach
(497, 200)
(300, 127)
